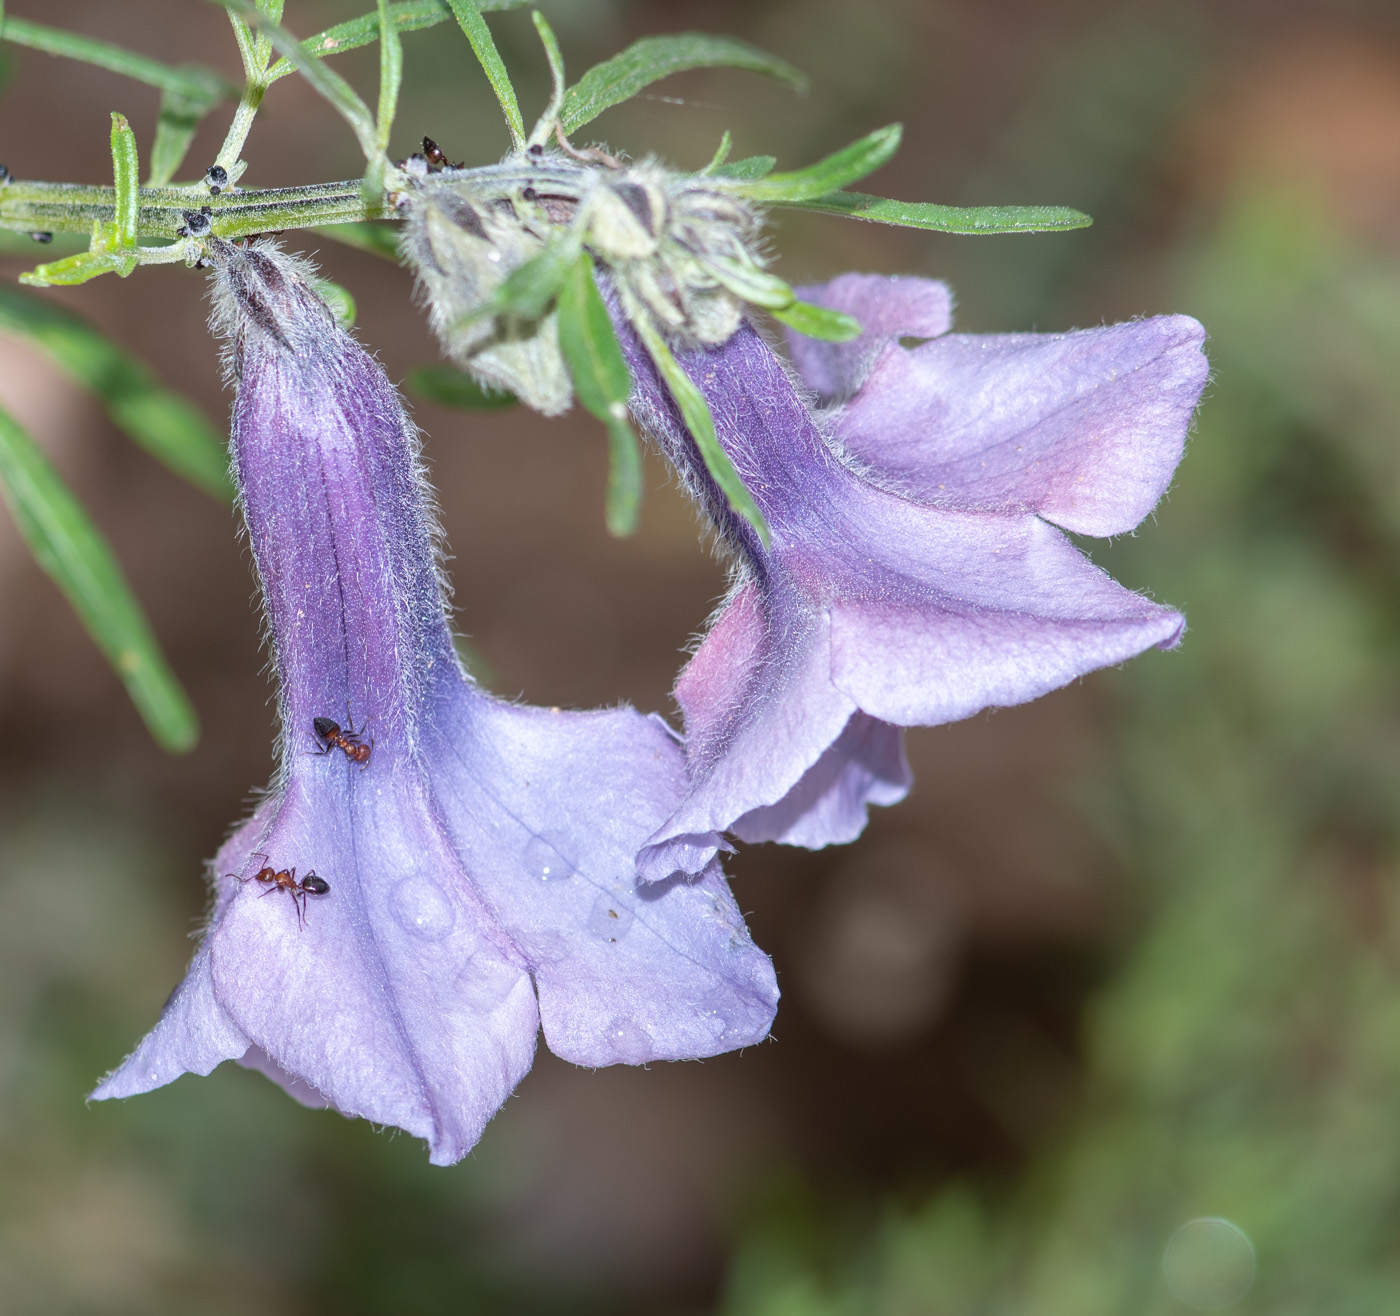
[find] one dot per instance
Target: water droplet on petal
(543, 858)
(630, 1043)
(421, 907)
(610, 918)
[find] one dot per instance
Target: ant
(436, 158)
(348, 740)
(286, 880)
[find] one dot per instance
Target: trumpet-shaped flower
(476, 869)
(915, 573)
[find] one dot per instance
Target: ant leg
(256, 854)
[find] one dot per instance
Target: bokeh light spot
(1209, 1263)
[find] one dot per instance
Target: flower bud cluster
(680, 247)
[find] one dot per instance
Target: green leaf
(126, 176)
(469, 19)
(338, 298)
(412, 16)
(603, 384)
(695, 411)
(73, 552)
(844, 166)
(451, 387)
(818, 322)
(180, 117)
(328, 83)
(754, 166)
(113, 248)
(549, 120)
(946, 219)
(379, 239)
(653, 58)
(390, 76)
(726, 144)
(168, 427)
(751, 283)
(528, 290)
(191, 81)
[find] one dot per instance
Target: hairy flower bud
(678, 245)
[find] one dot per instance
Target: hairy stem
(73, 207)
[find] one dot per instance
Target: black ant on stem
(285, 879)
(331, 737)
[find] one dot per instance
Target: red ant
(348, 740)
(286, 880)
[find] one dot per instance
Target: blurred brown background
(933, 974)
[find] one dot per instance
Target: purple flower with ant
(468, 863)
(917, 572)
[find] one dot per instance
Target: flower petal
(1084, 428)
(396, 997)
(194, 1035)
(624, 975)
(888, 307)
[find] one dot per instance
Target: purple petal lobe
(864, 765)
(1084, 428)
(298, 1089)
(888, 307)
(624, 975)
(194, 1036)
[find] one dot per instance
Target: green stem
(73, 207)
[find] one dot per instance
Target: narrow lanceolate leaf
(468, 16)
(653, 58)
(339, 298)
(451, 387)
(726, 144)
(837, 170)
(746, 280)
(390, 76)
(549, 120)
(410, 16)
(126, 176)
(695, 411)
(196, 83)
(602, 384)
(168, 427)
(379, 239)
(529, 289)
(331, 86)
(945, 219)
(818, 322)
(73, 552)
(753, 166)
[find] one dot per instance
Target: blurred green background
(1128, 957)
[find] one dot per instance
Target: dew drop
(610, 918)
(420, 907)
(544, 859)
(630, 1043)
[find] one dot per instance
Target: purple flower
(479, 865)
(914, 575)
